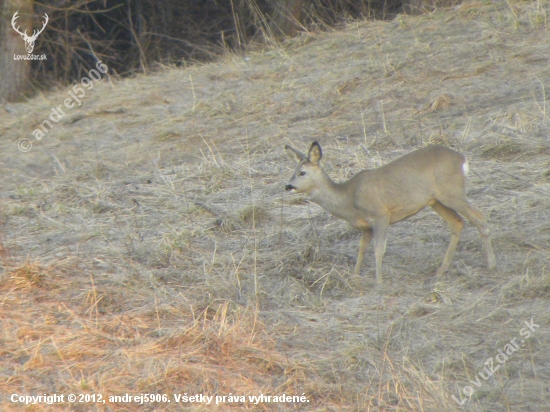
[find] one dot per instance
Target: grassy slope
(148, 247)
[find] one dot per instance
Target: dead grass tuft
(29, 275)
(510, 149)
(253, 214)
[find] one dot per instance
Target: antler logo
(29, 40)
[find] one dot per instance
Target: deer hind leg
(363, 243)
(478, 220)
(456, 223)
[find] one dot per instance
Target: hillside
(148, 246)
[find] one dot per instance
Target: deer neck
(331, 197)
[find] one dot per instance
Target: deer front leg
(363, 244)
(380, 235)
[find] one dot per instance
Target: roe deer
(374, 199)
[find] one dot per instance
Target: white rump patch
(465, 167)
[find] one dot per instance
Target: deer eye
(302, 173)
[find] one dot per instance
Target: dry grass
(148, 247)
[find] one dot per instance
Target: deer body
(374, 199)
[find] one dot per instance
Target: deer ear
(294, 154)
(315, 153)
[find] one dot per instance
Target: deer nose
(289, 188)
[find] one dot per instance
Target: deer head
(29, 40)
